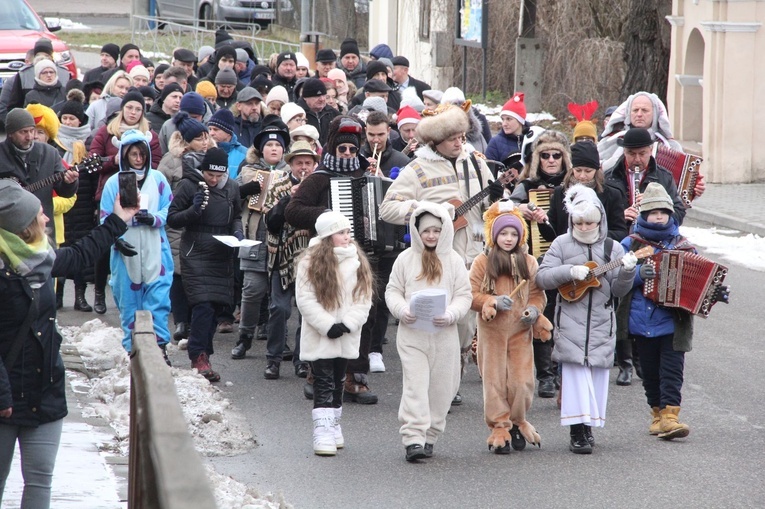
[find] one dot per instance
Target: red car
(20, 27)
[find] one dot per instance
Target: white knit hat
(331, 222)
(453, 95)
(278, 93)
(289, 111)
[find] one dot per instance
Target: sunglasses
(548, 155)
(343, 149)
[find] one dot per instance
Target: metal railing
(162, 36)
(165, 471)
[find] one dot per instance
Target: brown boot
(202, 365)
(655, 427)
(358, 392)
(670, 426)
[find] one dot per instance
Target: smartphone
(128, 189)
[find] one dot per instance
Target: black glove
(250, 188)
(647, 272)
(198, 199)
(125, 248)
(144, 218)
(337, 330)
(495, 190)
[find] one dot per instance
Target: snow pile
(747, 250)
(66, 24)
(229, 493)
(492, 114)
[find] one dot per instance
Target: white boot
(338, 432)
(324, 431)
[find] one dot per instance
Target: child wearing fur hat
(584, 333)
(510, 304)
(662, 335)
(430, 361)
(333, 291)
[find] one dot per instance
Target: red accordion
(684, 167)
(687, 281)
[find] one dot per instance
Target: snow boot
(324, 431)
(80, 303)
(655, 427)
(670, 426)
(339, 440)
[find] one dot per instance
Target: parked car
(217, 12)
(20, 28)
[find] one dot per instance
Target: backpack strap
(608, 246)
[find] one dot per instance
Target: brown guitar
(460, 208)
(573, 291)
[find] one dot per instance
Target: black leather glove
(144, 218)
(125, 248)
(337, 330)
(496, 190)
(198, 199)
(647, 272)
(250, 188)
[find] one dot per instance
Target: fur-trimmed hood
(446, 239)
(548, 140)
(497, 209)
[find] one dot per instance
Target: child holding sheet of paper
(430, 361)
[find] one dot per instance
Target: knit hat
(273, 130)
(127, 47)
(426, 220)
(75, 108)
(442, 123)
(585, 154)
(329, 223)
(206, 89)
(193, 103)
(375, 104)
(656, 197)
(387, 62)
(304, 130)
(285, 55)
(278, 93)
(453, 95)
(261, 83)
(43, 45)
(169, 89)
(184, 55)
(433, 95)
(112, 50)
(349, 45)
(189, 127)
(407, 115)
(500, 215)
(129, 67)
(160, 69)
(261, 69)
(337, 74)
(247, 94)
(139, 70)
(45, 119)
(17, 119)
(134, 95)
(241, 55)
(215, 159)
(226, 77)
(582, 204)
(222, 37)
(18, 207)
(248, 49)
(204, 52)
(375, 67)
(314, 87)
(290, 111)
(148, 92)
(42, 65)
(222, 119)
(636, 137)
(326, 55)
(302, 61)
(410, 98)
(585, 129)
(225, 51)
(146, 62)
(381, 51)
(301, 148)
(72, 84)
(515, 107)
(348, 131)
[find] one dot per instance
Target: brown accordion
(684, 167)
(537, 243)
(257, 200)
(687, 281)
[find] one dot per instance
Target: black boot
(99, 303)
(60, 293)
(181, 331)
(543, 363)
(244, 344)
(579, 443)
(588, 435)
(80, 303)
(623, 355)
(308, 386)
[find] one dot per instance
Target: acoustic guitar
(90, 164)
(461, 208)
(574, 291)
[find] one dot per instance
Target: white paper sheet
(232, 241)
(426, 305)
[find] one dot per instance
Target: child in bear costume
(507, 326)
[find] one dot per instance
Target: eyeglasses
(343, 149)
(548, 155)
(48, 72)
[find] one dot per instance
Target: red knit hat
(515, 107)
(407, 115)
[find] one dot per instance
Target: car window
(18, 16)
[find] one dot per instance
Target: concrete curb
(727, 221)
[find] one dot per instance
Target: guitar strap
(466, 172)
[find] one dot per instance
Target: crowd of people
(220, 143)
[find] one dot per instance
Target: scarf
(588, 237)
(46, 85)
(125, 127)
(338, 165)
(33, 261)
(72, 139)
(655, 232)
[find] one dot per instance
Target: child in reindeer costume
(510, 305)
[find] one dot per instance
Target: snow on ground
(66, 24)
(214, 426)
(729, 246)
(492, 114)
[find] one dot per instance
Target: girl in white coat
(430, 361)
(334, 294)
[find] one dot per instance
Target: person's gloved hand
(496, 190)
(629, 261)
(337, 330)
(198, 200)
(504, 303)
(125, 248)
(647, 271)
(250, 188)
(530, 315)
(489, 310)
(407, 317)
(144, 217)
(579, 272)
(239, 235)
(444, 320)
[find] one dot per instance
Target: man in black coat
(286, 73)
(404, 80)
(318, 113)
(378, 144)
(110, 52)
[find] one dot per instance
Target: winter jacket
(584, 331)
(358, 76)
(35, 385)
(96, 112)
(316, 320)
(289, 85)
(502, 145)
(431, 177)
(102, 145)
(418, 85)
(236, 154)
(319, 120)
(479, 133)
(246, 130)
(52, 96)
(388, 159)
(617, 177)
(168, 128)
(206, 264)
(22, 84)
(157, 117)
(557, 215)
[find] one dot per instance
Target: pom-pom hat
(515, 107)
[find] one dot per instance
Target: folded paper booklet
(232, 241)
(426, 305)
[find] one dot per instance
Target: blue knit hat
(188, 127)
(193, 103)
(222, 119)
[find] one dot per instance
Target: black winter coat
(389, 159)
(35, 385)
(157, 117)
(207, 265)
(319, 120)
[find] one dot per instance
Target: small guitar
(90, 164)
(460, 208)
(573, 291)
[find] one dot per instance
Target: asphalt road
(719, 465)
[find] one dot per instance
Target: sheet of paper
(426, 305)
(232, 241)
